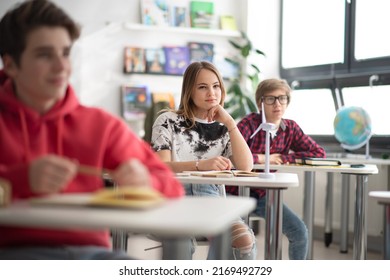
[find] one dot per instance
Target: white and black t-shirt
(203, 141)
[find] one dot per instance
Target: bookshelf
(182, 30)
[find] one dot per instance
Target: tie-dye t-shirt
(203, 141)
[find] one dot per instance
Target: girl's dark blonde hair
(270, 85)
(187, 105)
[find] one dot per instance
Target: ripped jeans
(240, 231)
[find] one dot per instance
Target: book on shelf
(155, 60)
(154, 12)
(318, 161)
(134, 60)
(180, 16)
(177, 58)
(224, 173)
(202, 14)
(228, 22)
(201, 51)
(121, 197)
(135, 101)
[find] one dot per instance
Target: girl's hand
(217, 163)
(219, 114)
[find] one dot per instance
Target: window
(309, 37)
(370, 39)
(335, 43)
(375, 101)
(313, 110)
(342, 46)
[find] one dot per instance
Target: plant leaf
(259, 52)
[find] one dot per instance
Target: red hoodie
(90, 135)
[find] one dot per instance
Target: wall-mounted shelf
(185, 30)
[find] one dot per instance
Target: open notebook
(224, 173)
(121, 197)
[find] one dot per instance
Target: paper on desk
(122, 197)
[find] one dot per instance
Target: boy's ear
(10, 66)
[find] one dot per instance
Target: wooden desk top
(368, 169)
(187, 216)
(280, 181)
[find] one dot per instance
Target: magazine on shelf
(180, 16)
(134, 60)
(121, 197)
(318, 161)
(177, 58)
(136, 100)
(155, 60)
(154, 12)
(224, 173)
(202, 14)
(228, 22)
(201, 51)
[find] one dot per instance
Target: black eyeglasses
(270, 100)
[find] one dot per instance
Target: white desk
(273, 187)
(345, 181)
(174, 220)
(383, 197)
(360, 235)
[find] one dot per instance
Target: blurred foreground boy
(46, 135)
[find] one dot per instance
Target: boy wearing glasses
(287, 143)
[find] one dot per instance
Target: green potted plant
(240, 98)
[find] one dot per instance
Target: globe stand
(367, 143)
(368, 149)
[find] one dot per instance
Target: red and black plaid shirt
(290, 142)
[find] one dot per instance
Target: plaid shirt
(290, 142)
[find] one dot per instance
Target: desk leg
(344, 219)
(360, 235)
(119, 240)
(308, 210)
(328, 209)
(176, 249)
(273, 225)
(223, 245)
(244, 192)
(386, 233)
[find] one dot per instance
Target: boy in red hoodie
(46, 134)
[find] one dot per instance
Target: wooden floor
(138, 243)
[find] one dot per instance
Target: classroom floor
(138, 243)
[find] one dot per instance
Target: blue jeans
(62, 253)
(214, 190)
(293, 227)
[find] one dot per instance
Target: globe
(352, 127)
